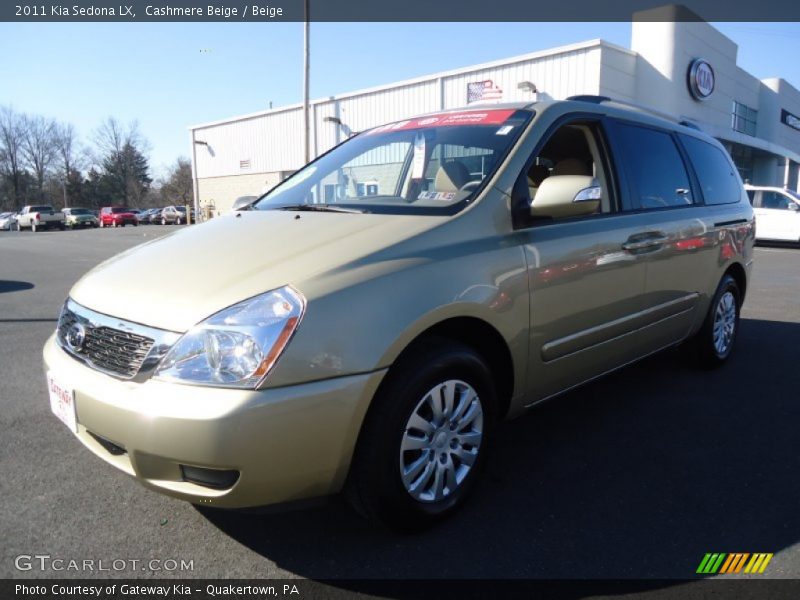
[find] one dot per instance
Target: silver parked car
(7, 221)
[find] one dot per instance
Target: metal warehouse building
(685, 69)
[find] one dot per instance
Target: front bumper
(287, 443)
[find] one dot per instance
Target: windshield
(79, 211)
(431, 165)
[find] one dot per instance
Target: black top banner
(388, 11)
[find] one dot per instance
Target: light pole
(64, 186)
(306, 78)
(195, 182)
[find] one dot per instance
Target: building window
(743, 118)
(369, 188)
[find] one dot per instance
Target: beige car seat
(571, 166)
(451, 176)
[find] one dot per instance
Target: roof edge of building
(597, 42)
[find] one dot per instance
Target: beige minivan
(365, 325)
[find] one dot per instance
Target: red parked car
(117, 216)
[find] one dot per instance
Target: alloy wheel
(441, 441)
(724, 323)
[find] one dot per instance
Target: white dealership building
(685, 69)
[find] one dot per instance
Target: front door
(586, 290)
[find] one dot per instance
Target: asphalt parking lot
(634, 476)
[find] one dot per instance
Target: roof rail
(589, 98)
(656, 113)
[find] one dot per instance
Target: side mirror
(589, 194)
(243, 202)
(793, 206)
(562, 196)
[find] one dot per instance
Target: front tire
(714, 343)
(425, 437)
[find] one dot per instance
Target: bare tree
(39, 147)
(177, 189)
(12, 135)
(67, 146)
(111, 137)
(121, 155)
(68, 153)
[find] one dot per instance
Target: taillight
(36, 216)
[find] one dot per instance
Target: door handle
(638, 243)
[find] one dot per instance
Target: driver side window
(566, 179)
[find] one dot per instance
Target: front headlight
(237, 346)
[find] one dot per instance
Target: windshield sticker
(504, 130)
(472, 117)
(436, 195)
(418, 169)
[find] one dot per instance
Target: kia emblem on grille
(76, 336)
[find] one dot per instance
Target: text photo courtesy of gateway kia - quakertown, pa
(333, 300)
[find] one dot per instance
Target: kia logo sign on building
(701, 79)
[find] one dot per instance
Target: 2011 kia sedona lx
(366, 324)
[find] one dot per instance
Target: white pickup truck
(38, 217)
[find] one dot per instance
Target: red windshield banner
(471, 117)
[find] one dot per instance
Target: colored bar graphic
(734, 563)
(710, 563)
(758, 563)
(723, 563)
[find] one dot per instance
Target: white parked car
(777, 213)
(7, 220)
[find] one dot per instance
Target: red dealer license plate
(62, 403)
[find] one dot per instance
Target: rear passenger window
(654, 167)
(718, 178)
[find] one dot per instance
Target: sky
(168, 76)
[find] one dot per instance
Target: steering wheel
(469, 186)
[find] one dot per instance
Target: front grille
(105, 348)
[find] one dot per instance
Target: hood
(180, 279)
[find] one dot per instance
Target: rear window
(41, 208)
(118, 209)
(719, 180)
(654, 167)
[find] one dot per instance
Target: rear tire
(424, 440)
(714, 343)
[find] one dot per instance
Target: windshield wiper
(320, 208)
